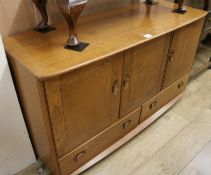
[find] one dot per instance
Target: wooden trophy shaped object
(71, 10)
(181, 8)
(151, 2)
(42, 26)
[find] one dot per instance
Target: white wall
(16, 152)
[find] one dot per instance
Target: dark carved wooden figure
(181, 9)
(43, 26)
(71, 10)
(151, 2)
(148, 10)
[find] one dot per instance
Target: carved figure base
(180, 11)
(45, 29)
(79, 48)
(153, 2)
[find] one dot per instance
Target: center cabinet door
(143, 72)
(84, 102)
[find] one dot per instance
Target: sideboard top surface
(107, 32)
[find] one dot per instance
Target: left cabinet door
(84, 102)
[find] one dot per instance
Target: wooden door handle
(154, 104)
(127, 124)
(126, 82)
(180, 85)
(115, 87)
(80, 155)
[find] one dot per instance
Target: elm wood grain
(45, 57)
(100, 142)
(161, 99)
(34, 107)
(143, 72)
(85, 101)
(54, 100)
(182, 52)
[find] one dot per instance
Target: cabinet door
(143, 72)
(84, 103)
(182, 52)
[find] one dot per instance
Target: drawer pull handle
(127, 124)
(154, 104)
(180, 85)
(80, 155)
(126, 82)
(115, 87)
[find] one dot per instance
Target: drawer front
(160, 100)
(90, 149)
(172, 91)
(149, 108)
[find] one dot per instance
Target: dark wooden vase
(151, 2)
(181, 8)
(71, 10)
(42, 26)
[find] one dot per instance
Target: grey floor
(179, 142)
(202, 57)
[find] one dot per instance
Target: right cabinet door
(182, 51)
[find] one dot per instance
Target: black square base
(78, 48)
(151, 3)
(183, 11)
(45, 30)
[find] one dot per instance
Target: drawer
(150, 107)
(172, 91)
(160, 100)
(93, 147)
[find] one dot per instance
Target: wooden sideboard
(81, 106)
